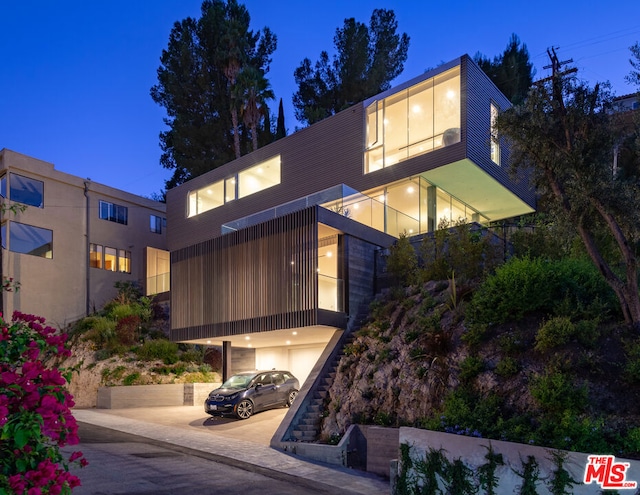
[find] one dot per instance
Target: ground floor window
(108, 258)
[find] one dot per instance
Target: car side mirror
(258, 385)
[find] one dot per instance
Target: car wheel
(291, 397)
(244, 409)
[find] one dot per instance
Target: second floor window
(23, 190)
(113, 212)
(157, 224)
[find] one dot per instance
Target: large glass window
(28, 239)
(158, 267)
(113, 212)
(259, 178)
(245, 183)
(410, 122)
(25, 190)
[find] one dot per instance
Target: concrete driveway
(259, 428)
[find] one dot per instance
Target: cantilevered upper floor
(420, 155)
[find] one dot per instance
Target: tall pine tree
(196, 86)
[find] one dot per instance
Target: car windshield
(238, 381)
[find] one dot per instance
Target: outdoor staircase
(305, 426)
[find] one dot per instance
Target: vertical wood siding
(256, 279)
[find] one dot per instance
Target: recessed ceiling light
(294, 333)
(247, 338)
(288, 342)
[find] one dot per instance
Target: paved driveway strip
(251, 456)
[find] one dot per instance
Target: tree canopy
(197, 85)
(367, 59)
(512, 71)
(566, 135)
(634, 75)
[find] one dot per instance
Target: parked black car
(247, 393)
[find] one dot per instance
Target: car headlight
(233, 397)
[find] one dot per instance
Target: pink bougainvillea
(35, 415)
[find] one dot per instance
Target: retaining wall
(175, 394)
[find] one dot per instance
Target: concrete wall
(175, 394)
(372, 448)
(472, 452)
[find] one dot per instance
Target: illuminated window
(414, 121)
(495, 141)
(124, 261)
(245, 183)
(95, 255)
(259, 177)
(113, 212)
(110, 259)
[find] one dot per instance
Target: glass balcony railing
(376, 214)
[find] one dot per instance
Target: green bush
(507, 367)
(103, 330)
(402, 262)
(632, 365)
(464, 249)
(555, 332)
(524, 285)
(556, 393)
(588, 332)
(191, 356)
(131, 378)
(470, 368)
(161, 349)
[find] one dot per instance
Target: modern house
(74, 240)
(275, 252)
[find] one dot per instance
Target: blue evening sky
(75, 74)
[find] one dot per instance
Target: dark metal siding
(256, 279)
(480, 92)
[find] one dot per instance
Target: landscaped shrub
(464, 249)
(555, 333)
(35, 415)
(127, 329)
(402, 262)
(161, 349)
(524, 285)
(556, 392)
(103, 331)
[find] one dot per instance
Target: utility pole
(555, 66)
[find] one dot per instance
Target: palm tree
(252, 90)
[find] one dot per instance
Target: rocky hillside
(94, 371)
(544, 380)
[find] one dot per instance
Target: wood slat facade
(256, 279)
